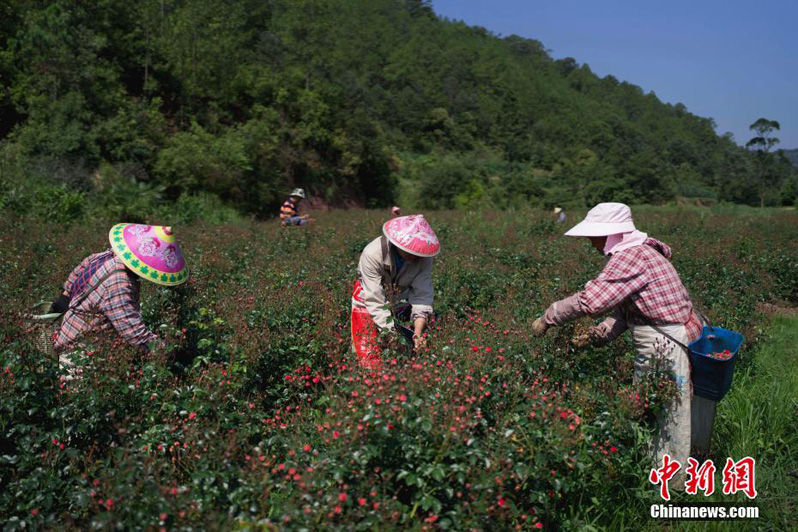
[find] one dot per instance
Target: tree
(764, 129)
(768, 177)
(247, 98)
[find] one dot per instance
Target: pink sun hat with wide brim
(412, 234)
(150, 251)
(605, 219)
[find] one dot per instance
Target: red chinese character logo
(702, 478)
(740, 476)
(664, 474)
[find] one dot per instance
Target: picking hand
(539, 327)
(419, 343)
(582, 339)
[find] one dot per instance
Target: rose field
(257, 417)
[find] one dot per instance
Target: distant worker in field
(103, 291)
(289, 212)
(560, 214)
(643, 291)
(393, 268)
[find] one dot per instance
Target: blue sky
(729, 60)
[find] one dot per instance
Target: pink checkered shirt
(114, 303)
(642, 284)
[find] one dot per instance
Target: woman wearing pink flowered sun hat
(103, 291)
(394, 267)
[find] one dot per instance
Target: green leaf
(430, 502)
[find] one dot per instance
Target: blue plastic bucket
(712, 378)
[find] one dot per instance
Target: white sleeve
(374, 297)
(421, 293)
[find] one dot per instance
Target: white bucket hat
(605, 219)
(300, 193)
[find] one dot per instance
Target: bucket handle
(703, 318)
(680, 344)
(671, 338)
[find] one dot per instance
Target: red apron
(364, 334)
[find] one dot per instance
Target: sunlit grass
(758, 419)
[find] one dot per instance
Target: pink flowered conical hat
(151, 251)
(412, 234)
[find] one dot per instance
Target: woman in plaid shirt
(642, 292)
(103, 292)
(113, 302)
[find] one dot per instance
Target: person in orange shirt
(289, 212)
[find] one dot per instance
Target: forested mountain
(359, 101)
(792, 156)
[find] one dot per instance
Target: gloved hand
(539, 327)
(582, 339)
(60, 305)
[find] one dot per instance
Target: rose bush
(257, 417)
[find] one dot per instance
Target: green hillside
(362, 102)
(792, 155)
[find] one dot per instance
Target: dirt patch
(778, 308)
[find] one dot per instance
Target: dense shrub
(267, 96)
(259, 417)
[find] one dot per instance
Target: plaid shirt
(642, 286)
(115, 302)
